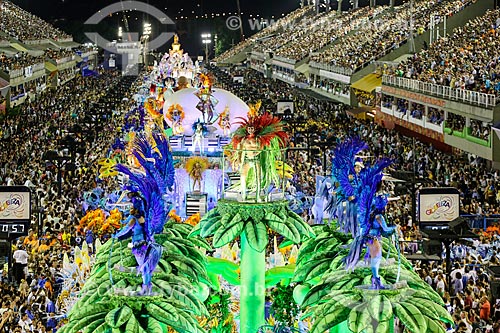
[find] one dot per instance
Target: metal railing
(38, 67)
(332, 68)
(36, 41)
(447, 93)
(15, 73)
(66, 39)
(285, 60)
(64, 60)
(481, 221)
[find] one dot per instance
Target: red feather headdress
(266, 128)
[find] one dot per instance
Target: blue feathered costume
(148, 213)
(358, 208)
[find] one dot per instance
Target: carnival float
(243, 262)
(176, 63)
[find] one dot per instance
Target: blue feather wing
(142, 146)
(370, 177)
(151, 171)
(343, 163)
(165, 163)
(152, 185)
(134, 179)
(156, 215)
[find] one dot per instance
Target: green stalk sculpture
(232, 219)
(252, 289)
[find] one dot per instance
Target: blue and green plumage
(148, 186)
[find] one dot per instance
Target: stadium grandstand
(427, 67)
(34, 55)
(289, 20)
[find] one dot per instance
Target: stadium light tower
(147, 29)
(146, 33)
(206, 39)
(411, 44)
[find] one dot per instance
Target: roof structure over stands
(369, 83)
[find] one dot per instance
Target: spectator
(20, 257)
(484, 314)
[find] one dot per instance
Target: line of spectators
(35, 302)
(25, 26)
(322, 31)
(18, 61)
(286, 21)
(385, 33)
(468, 59)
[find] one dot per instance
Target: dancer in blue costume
(346, 167)
(371, 225)
(148, 213)
(378, 229)
(359, 209)
(146, 252)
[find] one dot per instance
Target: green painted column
(252, 288)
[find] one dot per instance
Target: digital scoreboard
(15, 211)
(438, 205)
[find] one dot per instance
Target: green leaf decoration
(256, 234)
(154, 326)
(359, 318)
(431, 309)
(277, 274)
(229, 232)
(81, 312)
(285, 228)
(132, 325)
(94, 326)
(434, 326)
(331, 319)
(411, 317)
(103, 328)
(227, 269)
(386, 312)
(106, 308)
(84, 322)
(117, 317)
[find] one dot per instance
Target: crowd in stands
(306, 24)
(467, 59)
(324, 31)
(385, 33)
(455, 122)
(435, 116)
(58, 54)
(21, 60)
(285, 22)
(18, 61)
(25, 26)
(480, 130)
(33, 304)
(65, 75)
